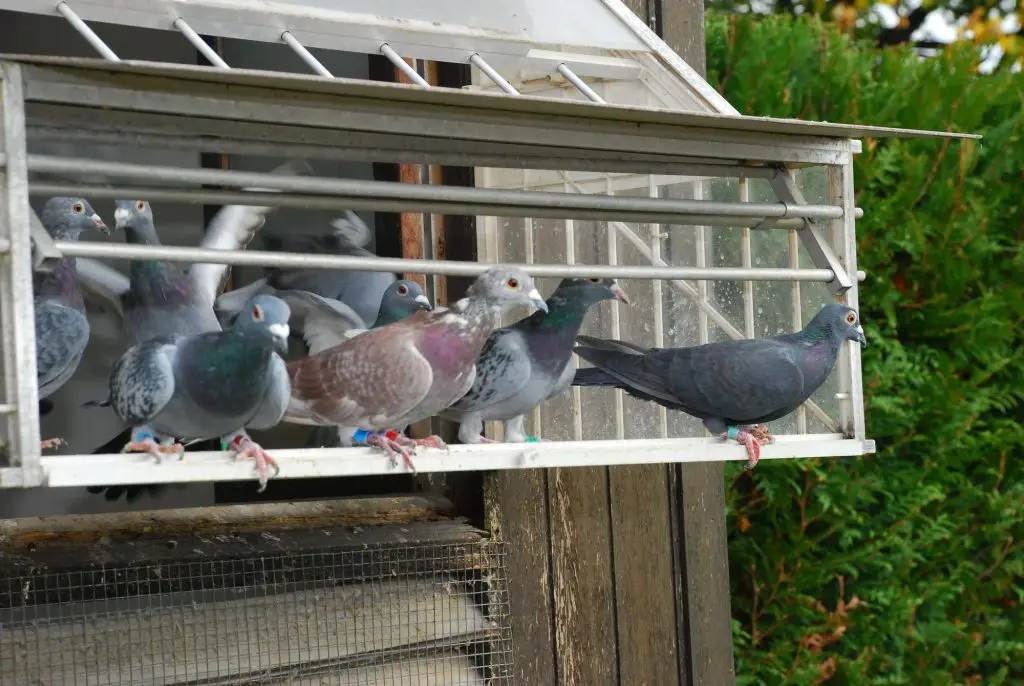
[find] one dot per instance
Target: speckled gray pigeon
(207, 385)
(62, 329)
(360, 290)
(323, 328)
(406, 371)
(733, 386)
(524, 364)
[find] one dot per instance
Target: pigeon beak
(121, 217)
(98, 223)
(861, 338)
(280, 333)
(422, 300)
(619, 294)
(536, 300)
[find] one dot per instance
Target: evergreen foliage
(906, 567)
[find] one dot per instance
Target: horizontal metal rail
(257, 258)
(453, 199)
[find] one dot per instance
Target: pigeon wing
(502, 370)
(275, 402)
(370, 381)
(324, 322)
(62, 334)
(142, 382)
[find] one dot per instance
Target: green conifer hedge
(906, 567)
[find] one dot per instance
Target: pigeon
(325, 324)
(161, 300)
(360, 290)
(206, 385)
(406, 371)
(735, 387)
(524, 364)
(62, 329)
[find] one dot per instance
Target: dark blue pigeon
(62, 329)
(735, 387)
(524, 364)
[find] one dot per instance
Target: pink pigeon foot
(747, 439)
(146, 443)
(48, 443)
(247, 449)
(761, 433)
(389, 443)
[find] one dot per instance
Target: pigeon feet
(247, 449)
(390, 444)
(748, 439)
(147, 444)
(48, 443)
(761, 433)
(430, 442)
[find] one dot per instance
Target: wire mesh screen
(671, 312)
(384, 615)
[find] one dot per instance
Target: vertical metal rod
(580, 84)
(658, 300)
(199, 44)
(570, 258)
(305, 55)
(88, 34)
(745, 251)
(796, 302)
(528, 247)
(17, 314)
(402, 65)
(844, 240)
(477, 61)
(702, 259)
(613, 258)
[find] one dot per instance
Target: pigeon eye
(851, 318)
(140, 205)
(78, 208)
(403, 290)
(594, 280)
(512, 283)
(257, 313)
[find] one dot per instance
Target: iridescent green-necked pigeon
(733, 386)
(207, 385)
(62, 329)
(524, 364)
(406, 371)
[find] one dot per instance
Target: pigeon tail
(592, 376)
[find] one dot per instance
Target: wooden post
(698, 489)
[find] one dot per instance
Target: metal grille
(384, 614)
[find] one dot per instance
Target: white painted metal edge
(100, 470)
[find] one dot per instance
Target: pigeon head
(66, 218)
(507, 287)
(135, 218)
(591, 290)
(839, 322)
(267, 317)
(402, 299)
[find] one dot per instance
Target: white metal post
(844, 239)
(747, 257)
(613, 258)
(16, 305)
(658, 300)
(797, 321)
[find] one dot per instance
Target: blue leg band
(360, 436)
(733, 432)
(142, 435)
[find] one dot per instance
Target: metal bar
(618, 407)
(403, 66)
(477, 61)
(8, 408)
(17, 314)
(570, 258)
(199, 44)
(747, 257)
(658, 300)
(797, 317)
(818, 246)
(44, 254)
(87, 33)
(844, 234)
(102, 470)
(580, 84)
(259, 258)
(529, 255)
(499, 199)
(305, 55)
(206, 134)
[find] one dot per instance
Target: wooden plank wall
(620, 575)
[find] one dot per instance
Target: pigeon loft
(565, 137)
